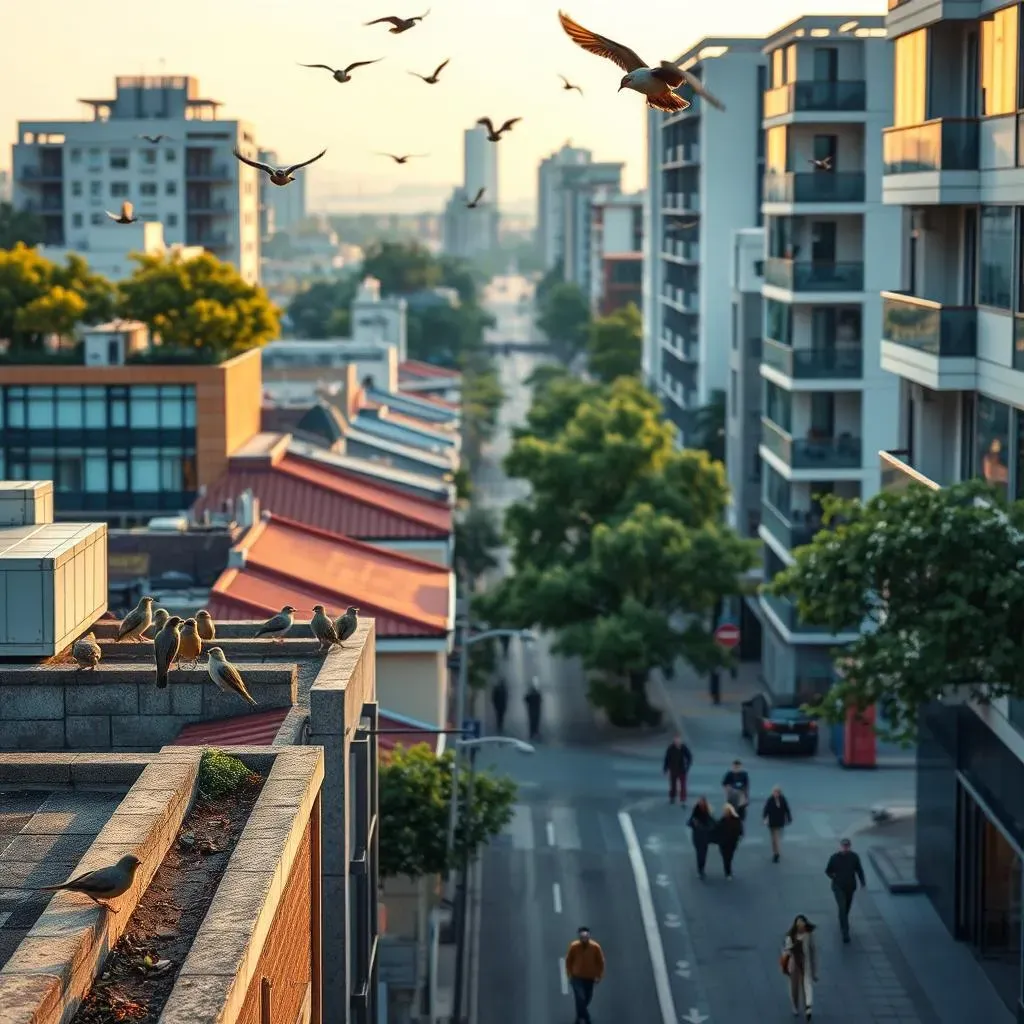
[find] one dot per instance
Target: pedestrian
(736, 783)
(800, 964)
(533, 700)
(584, 967)
(499, 700)
(677, 763)
(777, 816)
(728, 833)
(702, 830)
(844, 869)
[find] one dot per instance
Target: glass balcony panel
(947, 144)
(929, 327)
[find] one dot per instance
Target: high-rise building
(831, 246)
(579, 185)
(616, 250)
(704, 184)
(469, 232)
(480, 164)
(550, 223)
(71, 172)
(281, 208)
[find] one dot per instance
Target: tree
(401, 267)
(556, 398)
(458, 274)
(97, 293)
(482, 398)
(565, 320)
(414, 792)
(553, 277)
(709, 427)
(55, 312)
(199, 305)
(615, 345)
(933, 576)
(323, 309)
(446, 335)
(19, 227)
(477, 538)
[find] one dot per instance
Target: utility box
(25, 502)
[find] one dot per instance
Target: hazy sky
(505, 62)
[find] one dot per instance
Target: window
(76, 220)
(826, 64)
(76, 188)
(171, 411)
(170, 155)
(118, 408)
(999, 44)
(145, 469)
(993, 443)
(776, 490)
(119, 189)
(911, 79)
(733, 390)
(76, 156)
(40, 409)
(118, 159)
(95, 188)
(147, 188)
(69, 409)
(775, 146)
(96, 219)
(1019, 482)
(149, 157)
(995, 256)
(779, 321)
(16, 407)
(172, 220)
(95, 471)
(145, 409)
(778, 406)
(170, 188)
(95, 410)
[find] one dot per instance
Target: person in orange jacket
(584, 967)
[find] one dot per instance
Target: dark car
(779, 726)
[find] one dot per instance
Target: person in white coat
(800, 965)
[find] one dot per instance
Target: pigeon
(678, 225)
(86, 651)
(190, 644)
(156, 139)
(204, 621)
(657, 84)
(434, 78)
(345, 625)
(278, 625)
(225, 675)
(126, 216)
(343, 74)
(136, 622)
(495, 136)
(278, 175)
(402, 159)
(160, 617)
(103, 883)
(399, 25)
(322, 627)
(165, 649)
(475, 201)
(824, 164)
(568, 86)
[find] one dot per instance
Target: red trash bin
(860, 742)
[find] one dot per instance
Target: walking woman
(800, 963)
(777, 816)
(702, 827)
(728, 832)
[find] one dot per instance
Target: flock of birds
(658, 85)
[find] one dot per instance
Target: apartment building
(580, 185)
(550, 225)
(830, 245)
(704, 184)
(952, 335)
(616, 251)
(71, 172)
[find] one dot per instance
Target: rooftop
(415, 368)
(826, 26)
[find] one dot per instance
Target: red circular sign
(727, 635)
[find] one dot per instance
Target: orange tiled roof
(416, 368)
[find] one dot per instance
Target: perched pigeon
(225, 675)
(190, 644)
(137, 621)
(346, 624)
(102, 884)
(207, 630)
(160, 617)
(322, 627)
(165, 649)
(277, 626)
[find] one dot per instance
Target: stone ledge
(229, 629)
(57, 769)
(234, 648)
(896, 868)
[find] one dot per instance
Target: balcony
(843, 452)
(808, 276)
(792, 531)
(680, 251)
(680, 202)
(816, 97)
(929, 327)
(945, 144)
(209, 241)
(814, 187)
(34, 174)
(206, 207)
(209, 172)
(898, 475)
(842, 361)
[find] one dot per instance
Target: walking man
(776, 816)
(533, 700)
(677, 763)
(736, 783)
(844, 869)
(584, 967)
(499, 700)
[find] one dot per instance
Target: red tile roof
(330, 499)
(255, 730)
(416, 368)
(386, 742)
(289, 563)
(432, 399)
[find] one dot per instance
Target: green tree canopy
(458, 274)
(446, 335)
(482, 398)
(401, 267)
(19, 227)
(564, 317)
(556, 397)
(414, 791)
(615, 345)
(477, 539)
(199, 304)
(934, 576)
(708, 432)
(322, 310)
(553, 277)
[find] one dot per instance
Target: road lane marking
(551, 833)
(683, 968)
(672, 921)
(520, 828)
(563, 978)
(649, 918)
(662, 881)
(695, 1016)
(563, 820)
(556, 893)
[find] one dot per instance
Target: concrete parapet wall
(234, 649)
(233, 629)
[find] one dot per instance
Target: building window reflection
(993, 440)
(999, 48)
(911, 77)
(995, 257)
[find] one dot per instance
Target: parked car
(778, 726)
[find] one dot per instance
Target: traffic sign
(727, 635)
(471, 728)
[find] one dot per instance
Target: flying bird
(343, 74)
(323, 628)
(204, 621)
(104, 883)
(86, 651)
(278, 175)
(434, 78)
(277, 626)
(156, 139)
(136, 622)
(346, 624)
(126, 216)
(685, 225)
(165, 649)
(160, 617)
(495, 135)
(475, 201)
(225, 675)
(657, 84)
(399, 25)
(824, 164)
(568, 86)
(403, 159)
(191, 643)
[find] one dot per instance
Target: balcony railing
(837, 96)
(898, 475)
(209, 172)
(40, 173)
(945, 144)
(842, 452)
(842, 361)
(929, 327)
(808, 276)
(814, 187)
(793, 530)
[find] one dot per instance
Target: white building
(616, 250)
(281, 209)
(831, 247)
(480, 163)
(580, 184)
(704, 184)
(469, 232)
(71, 172)
(549, 201)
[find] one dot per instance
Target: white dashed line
(551, 833)
(556, 893)
(562, 978)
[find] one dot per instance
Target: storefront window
(993, 443)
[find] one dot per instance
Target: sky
(505, 62)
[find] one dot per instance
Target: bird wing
(390, 20)
(479, 196)
(440, 67)
(112, 216)
(253, 163)
(232, 676)
(362, 64)
(670, 74)
(568, 84)
(487, 123)
(669, 102)
(326, 67)
(507, 126)
(422, 16)
(601, 46)
(134, 618)
(698, 87)
(274, 623)
(397, 159)
(127, 210)
(305, 163)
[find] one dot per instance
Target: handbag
(784, 963)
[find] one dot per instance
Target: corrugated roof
(386, 742)
(416, 368)
(255, 730)
(319, 495)
(289, 563)
(433, 400)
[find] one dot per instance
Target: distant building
(549, 200)
(280, 208)
(480, 163)
(579, 185)
(469, 232)
(6, 186)
(616, 251)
